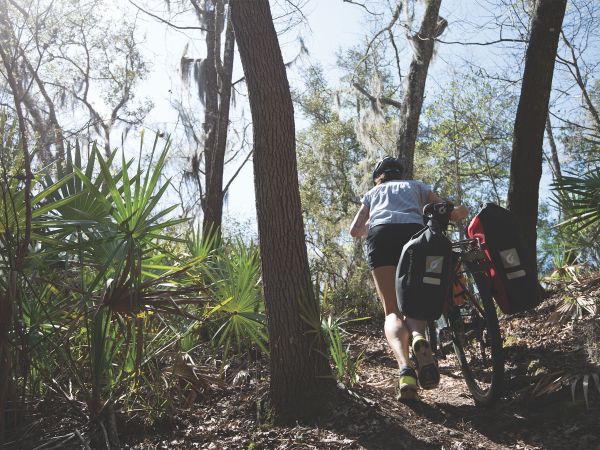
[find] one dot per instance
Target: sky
(330, 25)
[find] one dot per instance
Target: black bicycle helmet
(388, 164)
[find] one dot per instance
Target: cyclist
(390, 214)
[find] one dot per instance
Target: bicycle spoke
(476, 337)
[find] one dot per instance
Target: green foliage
(235, 284)
(330, 328)
(329, 164)
(564, 267)
(466, 145)
(574, 308)
(111, 299)
(346, 366)
(577, 194)
(578, 199)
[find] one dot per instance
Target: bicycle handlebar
(438, 213)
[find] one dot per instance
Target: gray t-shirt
(396, 202)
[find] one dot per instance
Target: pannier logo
(510, 258)
(434, 264)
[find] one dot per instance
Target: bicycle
(470, 323)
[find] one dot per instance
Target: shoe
(407, 385)
(427, 370)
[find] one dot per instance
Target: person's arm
(358, 228)
(434, 198)
(458, 213)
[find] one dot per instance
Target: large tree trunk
(300, 374)
(528, 140)
(432, 26)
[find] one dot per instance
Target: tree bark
(432, 26)
(532, 112)
(215, 158)
(300, 374)
(554, 161)
(211, 110)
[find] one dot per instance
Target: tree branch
(393, 20)
(362, 5)
(383, 100)
(497, 41)
(160, 19)
(239, 169)
(580, 82)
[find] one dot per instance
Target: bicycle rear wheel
(476, 338)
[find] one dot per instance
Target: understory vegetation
(131, 296)
(115, 291)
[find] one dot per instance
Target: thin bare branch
(166, 22)
(388, 28)
(362, 5)
(580, 82)
(237, 171)
(497, 41)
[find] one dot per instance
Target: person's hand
(459, 213)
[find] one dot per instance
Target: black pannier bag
(423, 274)
(513, 278)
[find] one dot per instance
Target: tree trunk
(211, 111)
(528, 140)
(300, 374)
(215, 160)
(432, 26)
(554, 161)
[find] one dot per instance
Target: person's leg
(396, 331)
(416, 327)
(428, 373)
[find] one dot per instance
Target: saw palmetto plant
(113, 291)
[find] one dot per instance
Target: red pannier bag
(513, 279)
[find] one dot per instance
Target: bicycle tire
(483, 367)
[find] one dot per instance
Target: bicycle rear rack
(470, 250)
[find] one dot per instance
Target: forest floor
(544, 359)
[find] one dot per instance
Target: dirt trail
(538, 351)
(368, 416)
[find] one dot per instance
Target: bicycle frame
(477, 306)
(468, 252)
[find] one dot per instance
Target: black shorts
(385, 242)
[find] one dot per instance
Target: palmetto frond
(579, 197)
